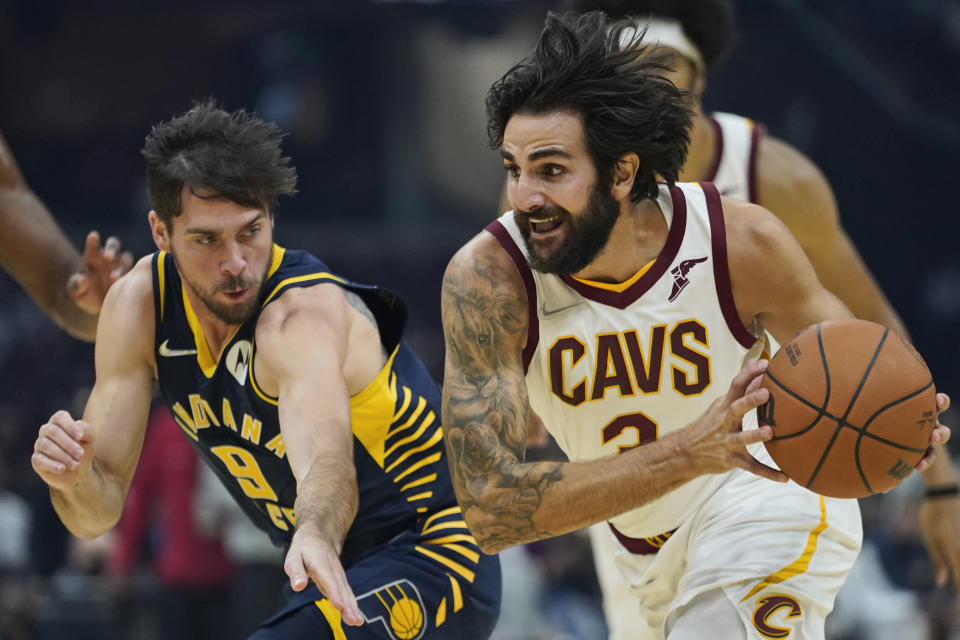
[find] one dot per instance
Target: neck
(703, 140)
(215, 331)
(636, 239)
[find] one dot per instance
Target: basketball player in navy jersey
(743, 162)
(591, 304)
(293, 383)
(35, 251)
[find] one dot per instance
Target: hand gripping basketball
(715, 442)
(853, 409)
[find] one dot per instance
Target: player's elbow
(86, 524)
(491, 547)
(483, 526)
(87, 529)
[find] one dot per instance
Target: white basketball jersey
(610, 369)
(735, 156)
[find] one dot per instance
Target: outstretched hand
(716, 442)
(100, 267)
(312, 557)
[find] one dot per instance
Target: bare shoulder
(320, 305)
(482, 264)
(791, 186)
(764, 258)
(127, 314)
(758, 242)
(747, 224)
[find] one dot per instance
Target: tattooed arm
(508, 501)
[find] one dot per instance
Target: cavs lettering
(613, 366)
(623, 363)
(767, 606)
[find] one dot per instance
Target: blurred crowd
(384, 105)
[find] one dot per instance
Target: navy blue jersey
(398, 448)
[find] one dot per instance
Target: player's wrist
(941, 491)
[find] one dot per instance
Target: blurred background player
(35, 251)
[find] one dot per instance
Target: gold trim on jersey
(253, 378)
(457, 550)
(278, 253)
(319, 275)
(801, 564)
(333, 618)
(208, 363)
(457, 596)
(461, 570)
(371, 411)
(618, 287)
(162, 279)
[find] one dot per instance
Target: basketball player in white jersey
(617, 309)
(734, 153)
(35, 251)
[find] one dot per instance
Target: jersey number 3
(645, 430)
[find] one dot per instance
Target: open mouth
(543, 226)
(236, 294)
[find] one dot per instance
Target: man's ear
(161, 235)
(699, 81)
(624, 174)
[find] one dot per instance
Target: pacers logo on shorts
(398, 606)
(767, 606)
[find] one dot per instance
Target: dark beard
(587, 234)
(230, 313)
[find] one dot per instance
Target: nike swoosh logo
(167, 352)
(552, 312)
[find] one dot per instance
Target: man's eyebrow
(215, 232)
(548, 153)
(538, 154)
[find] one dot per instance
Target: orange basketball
(852, 405)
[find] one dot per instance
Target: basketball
(852, 405)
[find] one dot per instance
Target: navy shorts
(429, 584)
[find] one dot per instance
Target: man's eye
(553, 170)
(252, 231)
(513, 172)
(205, 239)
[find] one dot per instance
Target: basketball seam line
(862, 431)
(897, 445)
(863, 381)
(826, 401)
(846, 414)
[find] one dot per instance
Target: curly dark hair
(234, 154)
(625, 103)
(710, 24)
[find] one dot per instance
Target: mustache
(234, 282)
(546, 211)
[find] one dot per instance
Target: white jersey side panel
(615, 370)
(734, 167)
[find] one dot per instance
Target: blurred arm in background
(36, 252)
